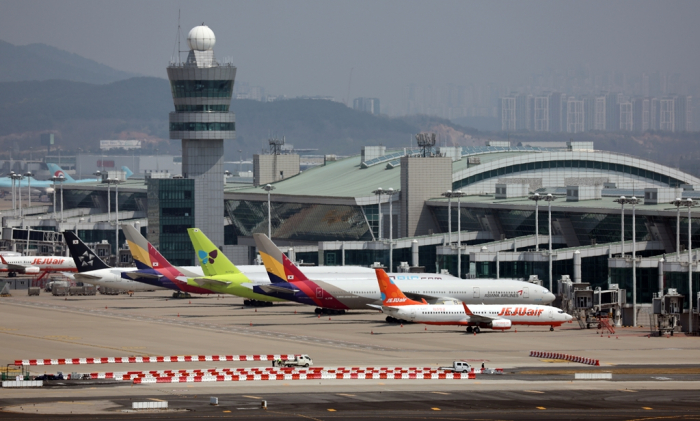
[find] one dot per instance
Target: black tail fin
(84, 258)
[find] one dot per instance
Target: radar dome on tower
(201, 38)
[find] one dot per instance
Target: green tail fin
(211, 259)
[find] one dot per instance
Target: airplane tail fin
(57, 171)
(128, 172)
(392, 296)
(279, 267)
(139, 247)
(211, 259)
(85, 259)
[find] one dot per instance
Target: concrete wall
(271, 168)
(422, 179)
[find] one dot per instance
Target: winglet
(391, 294)
(128, 172)
(2, 258)
(466, 309)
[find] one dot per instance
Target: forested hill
(81, 114)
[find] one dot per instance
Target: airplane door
(526, 292)
(476, 292)
(551, 313)
(413, 314)
(319, 292)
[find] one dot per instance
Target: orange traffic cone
(256, 310)
(178, 314)
(329, 318)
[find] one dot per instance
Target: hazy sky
(308, 47)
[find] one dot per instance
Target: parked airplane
(289, 282)
(35, 264)
(154, 269)
(58, 171)
(93, 270)
(497, 317)
(220, 275)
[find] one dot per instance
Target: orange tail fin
(466, 309)
(391, 294)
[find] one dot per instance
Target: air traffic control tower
(202, 89)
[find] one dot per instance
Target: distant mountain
(43, 62)
(81, 114)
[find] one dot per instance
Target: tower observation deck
(202, 89)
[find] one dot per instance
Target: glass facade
(202, 127)
(221, 108)
(170, 212)
(298, 221)
(590, 228)
(571, 163)
(679, 280)
(201, 88)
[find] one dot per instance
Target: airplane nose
(548, 298)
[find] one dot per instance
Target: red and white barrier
(567, 357)
(314, 376)
(138, 360)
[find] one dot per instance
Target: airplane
(154, 269)
(58, 171)
(220, 275)
(93, 270)
(357, 291)
(475, 317)
(47, 186)
(31, 265)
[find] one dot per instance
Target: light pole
(240, 162)
(14, 202)
(379, 192)
(16, 187)
(677, 203)
(631, 201)
(59, 179)
(689, 203)
(268, 188)
(391, 192)
(29, 188)
(549, 199)
(448, 195)
(458, 194)
(536, 197)
(116, 182)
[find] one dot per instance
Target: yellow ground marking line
(628, 390)
(440, 393)
(157, 400)
(541, 407)
(227, 411)
(554, 361)
(435, 409)
(252, 397)
(532, 391)
(344, 394)
(331, 410)
(46, 338)
(647, 407)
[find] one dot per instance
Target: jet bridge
(668, 309)
(591, 306)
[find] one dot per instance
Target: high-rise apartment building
(368, 105)
(575, 116)
(667, 114)
(641, 114)
(612, 111)
(507, 112)
(626, 116)
(541, 115)
(599, 122)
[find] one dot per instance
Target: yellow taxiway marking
(440, 393)
(627, 390)
(381, 384)
(551, 360)
(331, 410)
(541, 407)
(647, 407)
(344, 394)
(252, 397)
(227, 410)
(532, 391)
(435, 409)
(155, 399)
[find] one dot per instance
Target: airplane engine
(31, 269)
(501, 324)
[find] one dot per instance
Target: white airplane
(475, 317)
(358, 287)
(32, 265)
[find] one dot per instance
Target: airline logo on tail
(207, 258)
(391, 294)
(59, 173)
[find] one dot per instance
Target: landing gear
(551, 328)
(473, 329)
(180, 294)
(469, 329)
(11, 274)
(256, 303)
(328, 311)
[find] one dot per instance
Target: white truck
(298, 361)
(458, 367)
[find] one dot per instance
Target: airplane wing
(205, 282)
(428, 299)
(84, 277)
(270, 288)
(139, 275)
(477, 318)
(11, 266)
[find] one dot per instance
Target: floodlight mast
(379, 192)
(630, 201)
(275, 146)
(536, 197)
(268, 188)
(689, 203)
